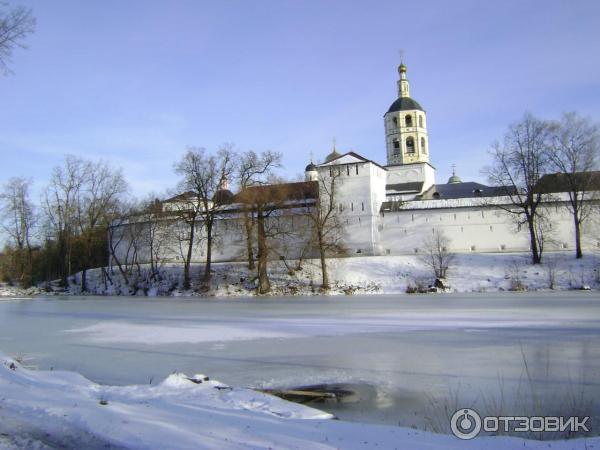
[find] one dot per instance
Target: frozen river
(407, 357)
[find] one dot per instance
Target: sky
(135, 83)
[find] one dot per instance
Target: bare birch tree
(326, 223)
(574, 155)
(204, 175)
(519, 162)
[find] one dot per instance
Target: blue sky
(136, 82)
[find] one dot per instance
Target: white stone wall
(360, 195)
(410, 173)
(474, 229)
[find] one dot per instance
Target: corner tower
(406, 127)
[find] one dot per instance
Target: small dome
(310, 168)
(405, 104)
(333, 155)
(454, 179)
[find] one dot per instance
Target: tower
(406, 127)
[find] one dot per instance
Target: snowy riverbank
(15, 291)
(52, 409)
(365, 275)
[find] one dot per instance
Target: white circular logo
(465, 423)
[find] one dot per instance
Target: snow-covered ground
(52, 409)
(477, 272)
(15, 291)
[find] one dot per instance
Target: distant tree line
(87, 219)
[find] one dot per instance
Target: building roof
(559, 182)
(405, 104)
(402, 188)
(461, 190)
(184, 197)
(354, 155)
(311, 167)
(222, 197)
(275, 193)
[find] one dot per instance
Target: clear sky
(136, 82)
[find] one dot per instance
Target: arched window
(396, 143)
(395, 121)
(436, 195)
(410, 145)
(423, 148)
(421, 121)
(408, 120)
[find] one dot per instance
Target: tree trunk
(535, 256)
(188, 259)
(84, 280)
(249, 249)
(578, 251)
(87, 263)
(324, 274)
(209, 242)
(264, 284)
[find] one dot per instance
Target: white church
(392, 209)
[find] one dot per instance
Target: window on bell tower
(395, 121)
(421, 121)
(423, 148)
(408, 120)
(410, 145)
(396, 143)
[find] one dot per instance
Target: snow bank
(46, 409)
(15, 291)
(477, 272)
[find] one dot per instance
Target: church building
(384, 209)
(391, 209)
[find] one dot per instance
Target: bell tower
(406, 127)
(407, 142)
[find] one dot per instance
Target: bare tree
(96, 204)
(325, 219)
(254, 170)
(273, 207)
(18, 220)
(187, 230)
(204, 176)
(574, 155)
(80, 201)
(60, 207)
(125, 236)
(437, 255)
(518, 164)
(157, 226)
(15, 25)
